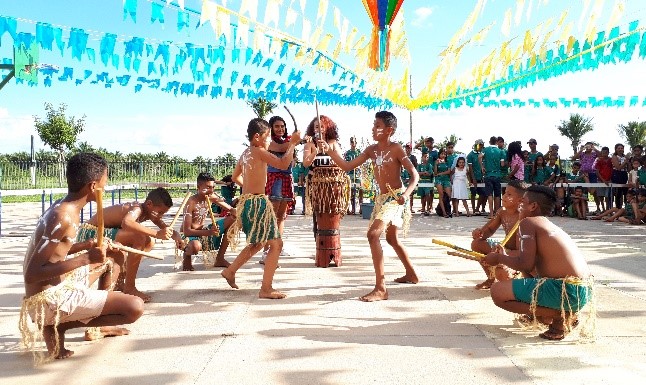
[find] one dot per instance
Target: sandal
(553, 333)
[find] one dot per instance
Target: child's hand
(499, 249)
(401, 199)
(214, 231)
(98, 254)
(233, 212)
(492, 259)
(477, 234)
(164, 233)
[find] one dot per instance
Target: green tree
(261, 106)
(575, 128)
(59, 132)
(451, 138)
(634, 133)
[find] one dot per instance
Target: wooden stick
(213, 222)
(99, 217)
(318, 117)
(181, 207)
(510, 234)
(137, 251)
(462, 255)
(458, 248)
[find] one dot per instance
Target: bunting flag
(273, 47)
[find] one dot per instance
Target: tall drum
(329, 195)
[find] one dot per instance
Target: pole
(410, 112)
(33, 163)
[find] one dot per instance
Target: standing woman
(327, 191)
(619, 174)
(279, 182)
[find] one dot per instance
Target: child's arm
(236, 176)
(283, 162)
(488, 229)
(345, 166)
(525, 260)
(129, 223)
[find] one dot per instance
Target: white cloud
(15, 132)
(421, 16)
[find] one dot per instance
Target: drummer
(312, 158)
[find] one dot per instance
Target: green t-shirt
(542, 174)
(642, 176)
(425, 167)
(529, 164)
(297, 171)
(491, 161)
(474, 164)
(348, 156)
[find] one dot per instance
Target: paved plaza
(197, 330)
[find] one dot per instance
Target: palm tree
(633, 132)
(261, 106)
(574, 129)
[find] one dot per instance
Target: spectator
(619, 174)
(516, 161)
(603, 168)
(475, 177)
(504, 165)
(587, 155)
(530, 160)
(490, 160)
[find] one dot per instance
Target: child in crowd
(603, 170)
(442, 172)
(506, 217)
(391, 207)
(633, 174)
(425, 193)
(540, 171)
(579, 203)
(614, 213)
(576, 176)
(459, 185)
(255, 214)
(123, 224)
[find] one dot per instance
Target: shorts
(279, 186)
(424, 191)
(75, 302)
(492, 186)
(210, 242)
(549, 293)
(445, 183)
(88, 231)
(480, 191)
(592, 177)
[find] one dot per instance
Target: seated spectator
(579, 205)
(587, 155)
(540, 171)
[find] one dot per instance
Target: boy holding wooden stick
(205, 238)
(256, 215)
(123, 224)
(391, 209)
(58, 271)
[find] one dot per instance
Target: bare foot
(145, 297)
(407, 279)
(50, 342)
(485, 285)
(92, 334)
(221, 262)
(187, 264)
(271, 294)
(375, 295)
(231, 278)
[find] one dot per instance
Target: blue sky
(152, 121)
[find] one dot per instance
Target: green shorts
(445, 183)
(424, 191)
(210, 242)
(549, 293)
(88, 231)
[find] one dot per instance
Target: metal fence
(28, 175)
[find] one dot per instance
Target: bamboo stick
(137, 251)
(510, 234)
(181, 207)
(458, 248)
(213, 222)
(462, 255)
